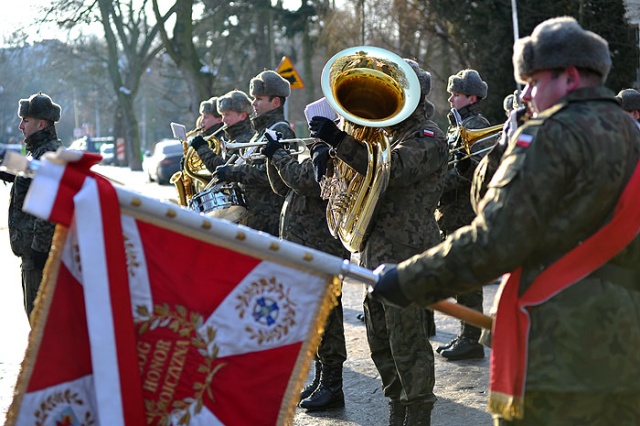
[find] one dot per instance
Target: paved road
(461, 387)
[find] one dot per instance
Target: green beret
(39, 106)
(560, 43)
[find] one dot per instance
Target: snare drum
(224, 201)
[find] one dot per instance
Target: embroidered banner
(153, 314)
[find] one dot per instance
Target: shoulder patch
(429, 133)
(524, 140)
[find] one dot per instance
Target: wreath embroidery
(65, 398)
(185, 324)
(271, 308)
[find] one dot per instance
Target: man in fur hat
(210, 120)
(233, 109)
(466, 89)
(31, 237)
(404, 225)
(630, 101)
(560, 215)
(269, 91)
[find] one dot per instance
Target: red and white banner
(153, 314)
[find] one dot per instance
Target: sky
(21, 13)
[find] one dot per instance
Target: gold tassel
(506, 406)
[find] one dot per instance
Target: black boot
(464, 348)
(311, 387)
(418, 415)
(446, 346)
(329, 392)
(396, 413)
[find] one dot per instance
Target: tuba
(370, 88)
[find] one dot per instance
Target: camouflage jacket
(558, 183)
(303, 219)
(26, 232)
(454, 208)
(404, 223)
(210, 159)
(263, 204)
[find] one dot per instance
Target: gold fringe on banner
(506, 406)
(310, 347)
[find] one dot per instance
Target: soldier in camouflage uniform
(31, 237)
(466, 90)
(269, 91)
(404, 225)
(559, 183)
(303, 220)
(211, 121)
(234, 109)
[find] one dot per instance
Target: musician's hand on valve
(182, 163)
(387, 289)
(272, 145)
(320, 158)
(324, 128)
(197, 142)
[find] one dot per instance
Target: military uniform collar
(39, 137)
(265, 120)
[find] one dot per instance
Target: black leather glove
(462, 163)
(182, 163)
(319, 158)
(197, 142)
(39, 258)
(272, 145)
(222, 173)
(387, 289)
(325, 129)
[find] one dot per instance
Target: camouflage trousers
(473, 300)
(332, 349)
(31, 278)
(401, 351)
(577, 409)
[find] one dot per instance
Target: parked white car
(164, 161)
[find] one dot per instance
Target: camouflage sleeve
(417, 157)
(42, 235)
(296, 175)
(210, 159)
(484, 172)
(250, 174)
(277, 185)
(523, 192)
(354, 153)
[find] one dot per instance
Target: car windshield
(172, 149)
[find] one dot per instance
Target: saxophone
(370, 88)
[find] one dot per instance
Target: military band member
(303, 220)
(404, 225)
(557, 217)
(31, 237)
(269, 91)
(210, 121)
(466, 90)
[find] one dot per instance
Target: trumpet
(296, 145)
(470, 137)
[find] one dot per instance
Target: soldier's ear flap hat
(468, 82)
(560, 43)
(629, 99)
(269, 83)
(424, 77)
(237, 101)
(210, 107)
(39, 106)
